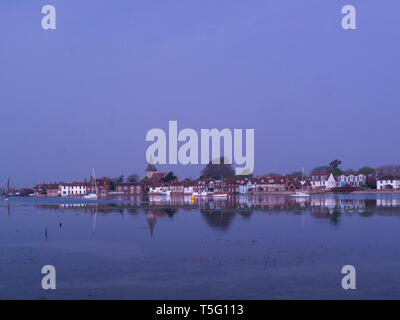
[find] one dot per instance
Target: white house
(73, 189)
(246, 186)
(323, 180)
(387, 181)
(354, 180)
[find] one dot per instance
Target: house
(129, 188)
(152, 174)
(229, 185)
(158, 188)
(322, 181)
(73, 189)
(271, 184)
(353, 180)
(388, 182)
(199, 186)
(177, 188)
(99, 187)
(294, 185)
(39, 190)
(53, 190)
(246, 185)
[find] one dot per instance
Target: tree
(297, 175)
(119, 179)
(335, 167)
(366, 170)
(169, 177)
(336, 172)
(335, 163)
(322, 169)
(133, 178)
(388, 170)
(218, 171)
(243, 176)
(112, 182)
(350, 171)
(274, 175)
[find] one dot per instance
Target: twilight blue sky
(85, 94)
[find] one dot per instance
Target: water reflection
(240, 245)
(219, 213)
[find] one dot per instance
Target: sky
(84, 95)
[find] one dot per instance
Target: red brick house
(129, 188)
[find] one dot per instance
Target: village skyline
(326, 177)
(175, 169)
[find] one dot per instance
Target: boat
(301, 194)
(92, 195)
(166, 193)
(201, 194)
(219, 194)
(7, 190)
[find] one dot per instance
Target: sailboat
(92, 195)
(7, 189)
(301, 193)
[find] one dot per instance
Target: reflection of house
(388, 182)
(383, 202)
(323, 181)
(354, 180)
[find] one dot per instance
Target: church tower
(151, 169)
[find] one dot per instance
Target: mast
(302, 178)
(7, 187)
(94, 182)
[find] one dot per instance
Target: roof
(391, 177)
(157, 176)
(319, 174)
(151, 167)
(72, 184)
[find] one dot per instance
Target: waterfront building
(99, 187)
(388, 182)
(270, 184)
(247, 185)
(129, 188)
(73, 189)
(322, 181)
(53, 190)
(353, 180)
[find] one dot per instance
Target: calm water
(267, 247)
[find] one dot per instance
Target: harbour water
(247, 247)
